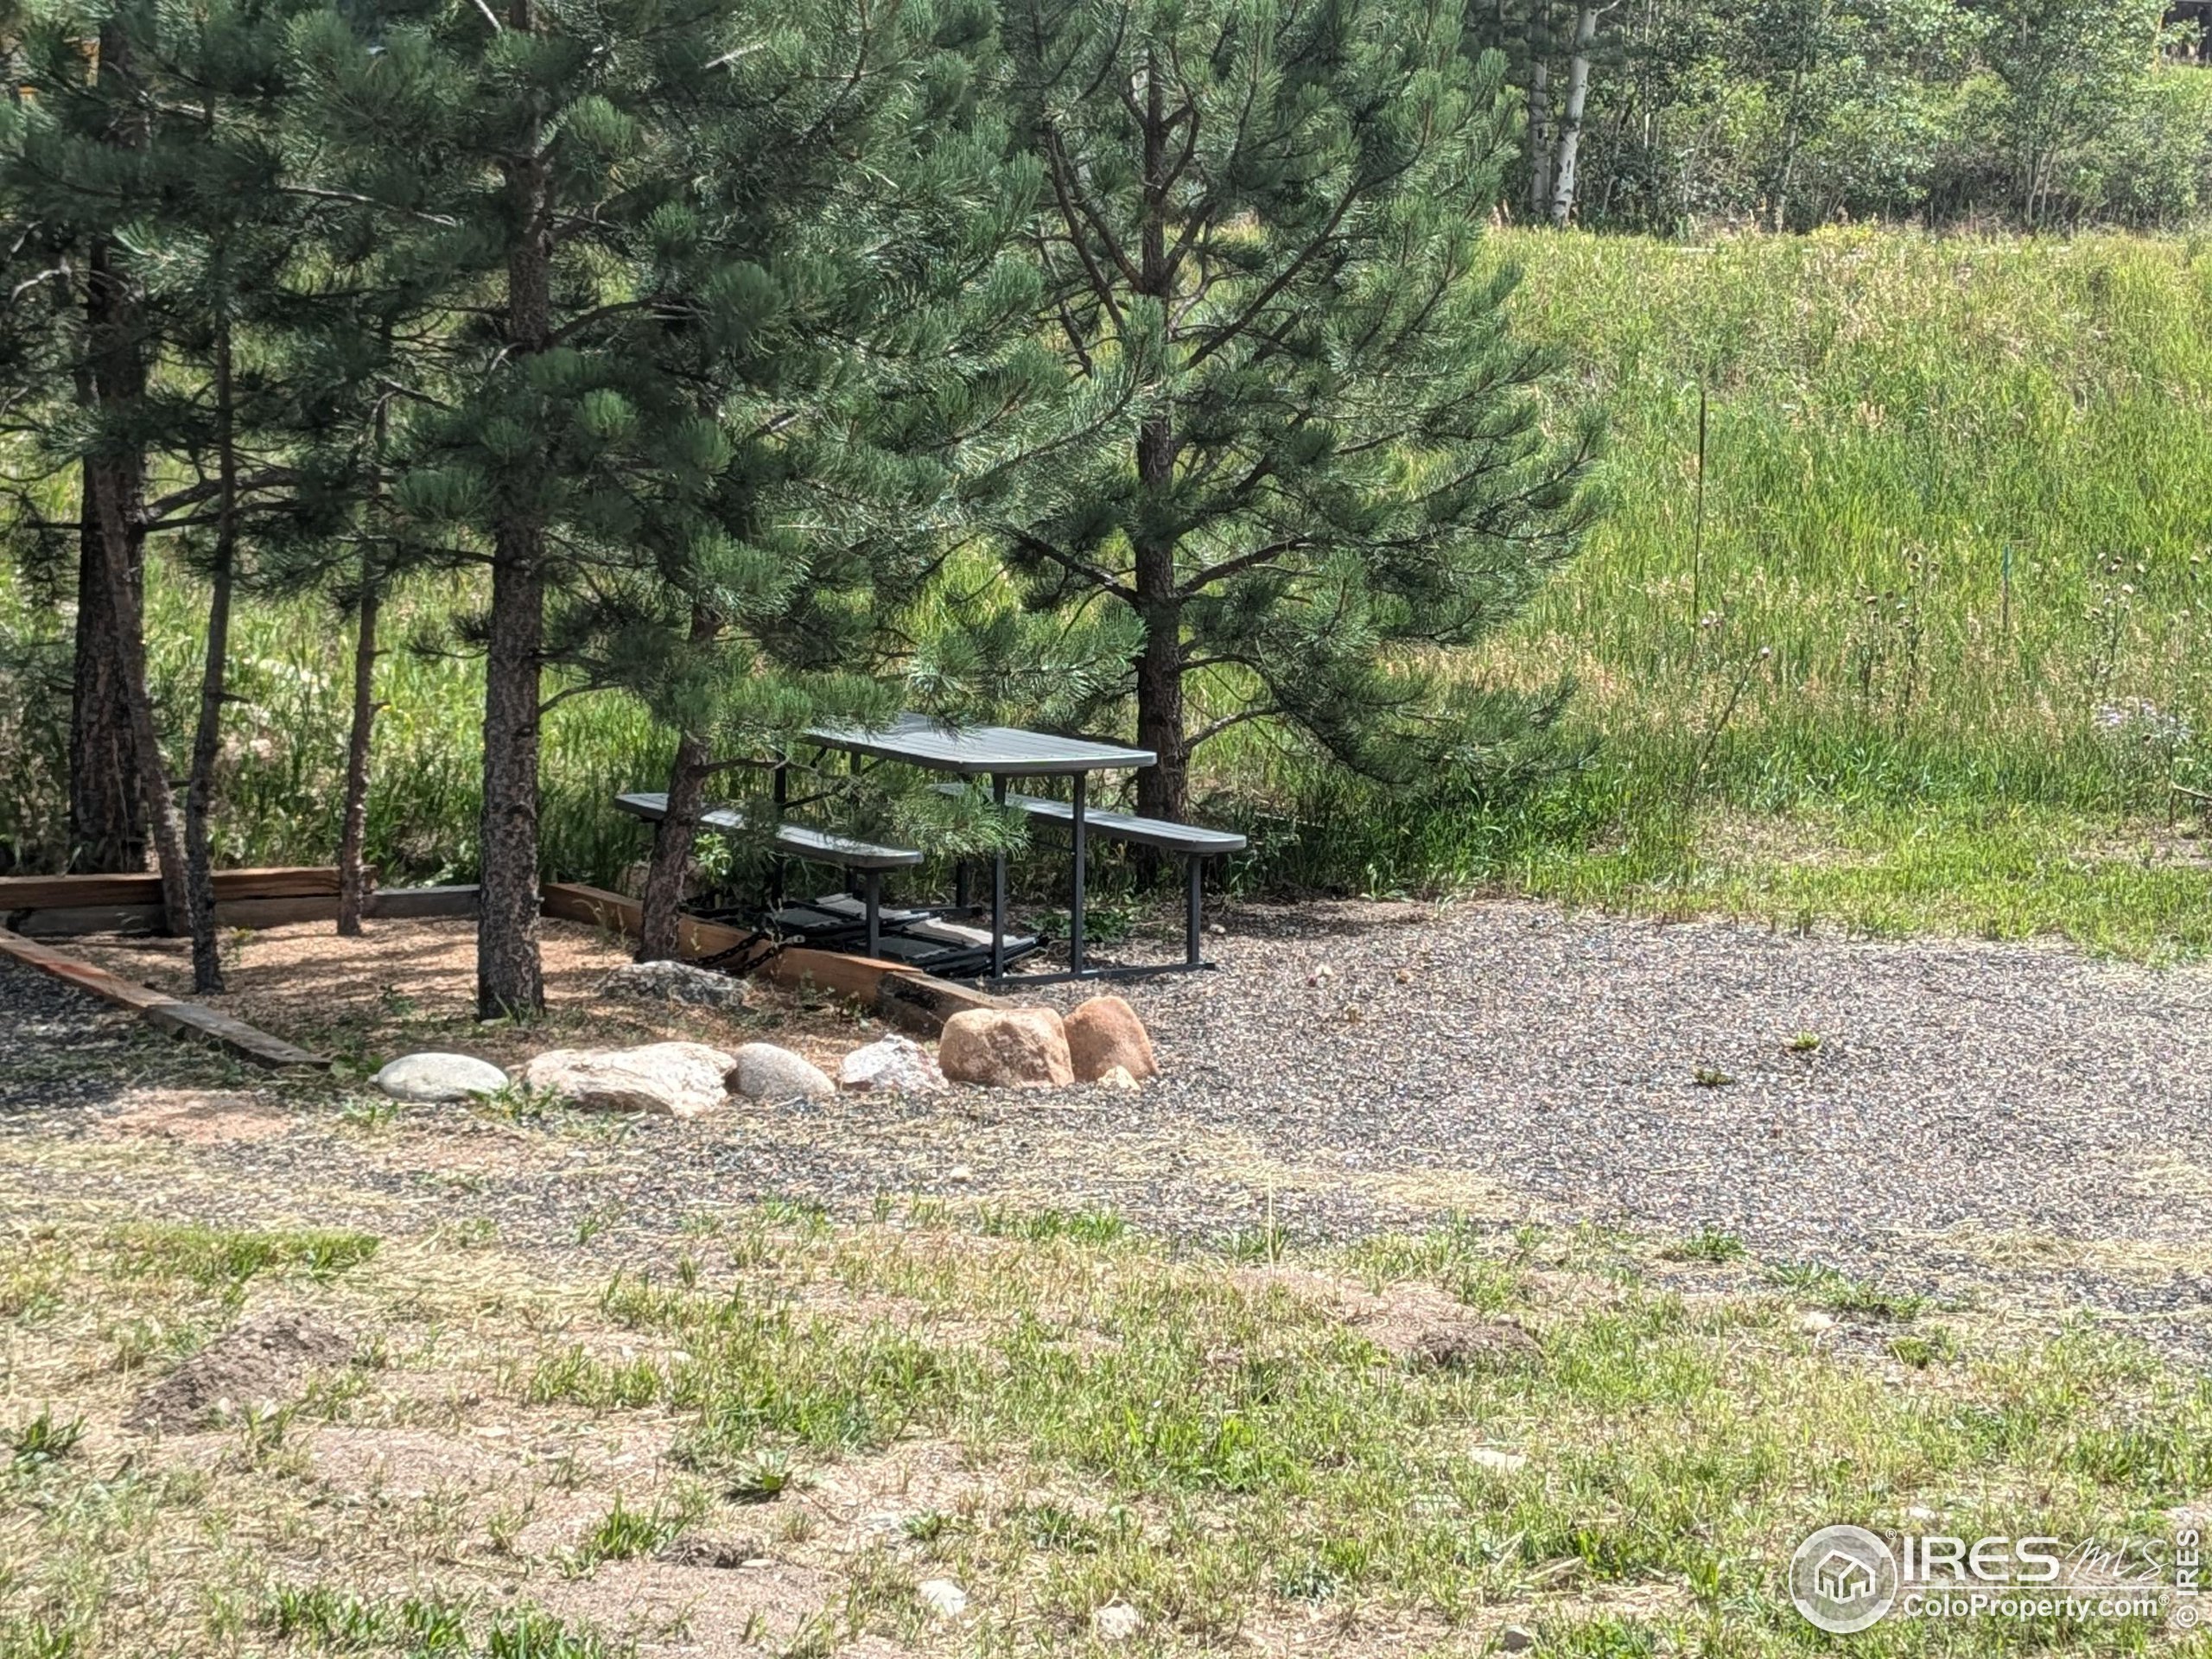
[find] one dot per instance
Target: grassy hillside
(1933, 659)
(1938, 649)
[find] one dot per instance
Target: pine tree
(82, 169)
(148, 174)
(68, 178)
(658, 303)
(1272, 209)
(221, 257)
(876, 382)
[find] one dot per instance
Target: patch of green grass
(224, 1259)
(625, 1533)
(324, 1620)
(1706, 1244)
(1839, 1293)
(1082, 1226)
(42, 1440)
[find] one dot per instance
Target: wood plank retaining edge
(171, 1013)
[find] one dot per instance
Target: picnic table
(1002, 754)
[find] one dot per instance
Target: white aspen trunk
(1539, 137)
(1570, 126)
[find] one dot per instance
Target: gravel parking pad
(1939, 1115)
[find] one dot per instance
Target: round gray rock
(764, 1072)
(440, 1077)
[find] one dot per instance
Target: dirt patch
(260, 1363)
(1420, 1324)
(709, 1612)
(198, 1120)
(411, 984)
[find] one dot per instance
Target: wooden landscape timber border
(895, 992)
(172, 1014)
(65, 906)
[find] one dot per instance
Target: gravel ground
(1973, 1116)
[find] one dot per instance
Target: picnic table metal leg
(998, 892)
(871, 897)
(783, 781)
(1075, 909)
(1191, 930)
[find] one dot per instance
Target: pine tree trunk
(107, 815)
(1163, 788)
(354, 828)
(116, 346)
(661, 921)
(1570, 129)
(353, 823)
(207, 735)
(509, 984)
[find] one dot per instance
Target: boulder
(675, 981)
(1105, 1033)
(1006, 1048)
(430, 1077)
(889, 1063)
(764, 1072)
(674, 1079)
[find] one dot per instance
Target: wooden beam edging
(172, 1014)
(897, 994)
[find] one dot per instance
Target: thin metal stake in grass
(1697, 524)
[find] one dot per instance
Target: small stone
(1405, 976)
(433, 1077)
(1115, 1621)
(960, 1172)
(889, 1063)
(674, 981)
(670, 1079)
(1817, 1322)
(1105, 1033)
(1217, 931)
(1006, 1048)
(943, 1597)
(1516, 1639)
(1919, 1512)
(1117, 1076)
(1498, 1459)
(765, 1072)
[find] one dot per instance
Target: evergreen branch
(1284, 277)
(318, 193)
(1244, 716)
(1057, 160)
(1092, 574)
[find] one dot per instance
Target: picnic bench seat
(867, 859)
(1194, 842)
(917, 938)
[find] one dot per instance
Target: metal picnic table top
(979, 750)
